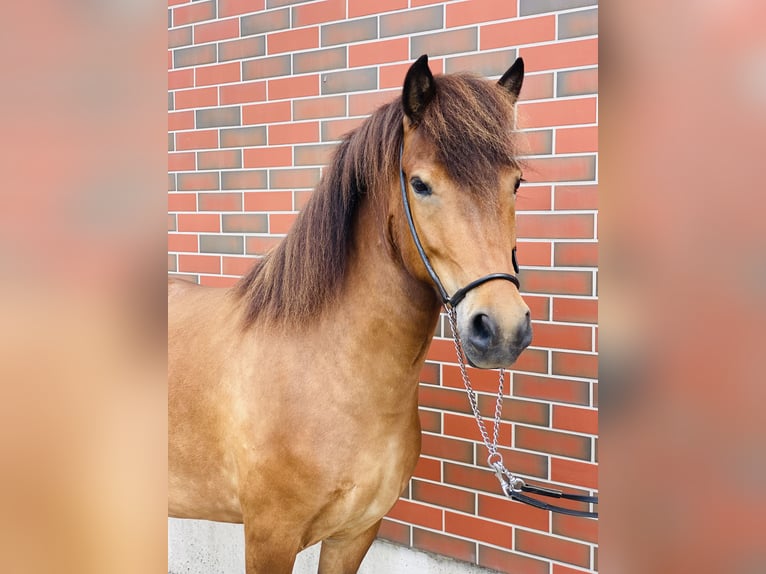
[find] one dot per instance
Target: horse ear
(419, 89)
(513, 78)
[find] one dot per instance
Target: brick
(558, 112)
(194, 12)
(182, 202)
(478, 11)
(485, 64)
(263, 22)
(528, 7)
(251, 179)
(194, 56)
(414, 513)
(171, 142)
(220, 201)
(182, 242)
(281, 223)
(437, 543)
(303, 132)
(570, 168)
(577, 24)
(300, 178)
(260, 245)
(277, 3)
(560, 55)
(518, 32)
(393, 76)
(395, 532)
(510, 562)
(536, 87)
(464, 427)
(179, 37)
(556, 226)
(172, 262)
(244, 223)
(558, 443)
(575, 310)
(537, 142)
(266, 113)
(242, 48)
(555, 548)
(412, 21)
(318, 60)
(334, 130)
(447, 448)
(199, 263)
(269, 201)
(483, 380)
(551, 389)
(571, 337)
(365, 104)
(471, 477)
(380, 52)
(198, 222)
(323, 107)
(300, 198)
(270, 156)
(365, 7)
(575, 365)
(171, 101)
(575, 197)
(199, 139)
(319, 154)
(218, 30)
(478, 529)
(180, 120)
(357, 80)
(430, 421)
(445, 399)
(218, 74)
(577, 140)
(186, 277)
(181, 161)
(196, 181)
(349, 31)
(577, 82)
(243, 137)
(574, 472)
(196, 98)
(527, 463)
(539, 306)
(430, 374)
(243, 93)
(574, 527)
(575, 419)
(507, 510)
(219, 117)
(428, 468)
(179, 79)
(292, 40)
(221, 244)
(172, 222)
(575, 255)
(442, 43)
(236, 7)
(220, 159)
(268, 67)
(318, 13)
(518, 411)
(297, 87)
(237, 266)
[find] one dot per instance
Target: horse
(293, 395)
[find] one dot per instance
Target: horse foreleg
(267, 551)
(345, 555)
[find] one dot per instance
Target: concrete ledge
(202, 547)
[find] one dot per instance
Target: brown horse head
(461, 174)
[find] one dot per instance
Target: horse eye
(420, 187)
(518, 183)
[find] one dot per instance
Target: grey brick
(528, 7)
(350, 31)
(350, 81)
(262, 22)
(218, 117)
(233, 244)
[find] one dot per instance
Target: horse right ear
(513, 78)
(419, 89)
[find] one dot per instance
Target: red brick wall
(259, 93)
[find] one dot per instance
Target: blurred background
(681, 294)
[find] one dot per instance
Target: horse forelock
(470, 124)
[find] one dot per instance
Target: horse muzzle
(489, 343)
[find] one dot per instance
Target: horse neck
(394, 312)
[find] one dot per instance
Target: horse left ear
(513, 78)
(419, 89)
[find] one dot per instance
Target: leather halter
(460, 294)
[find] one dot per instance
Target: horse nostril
(483, 332)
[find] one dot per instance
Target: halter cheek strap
(460, 294)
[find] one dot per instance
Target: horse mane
(470, 122)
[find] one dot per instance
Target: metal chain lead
(508, 481)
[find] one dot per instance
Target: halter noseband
(460, 293)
